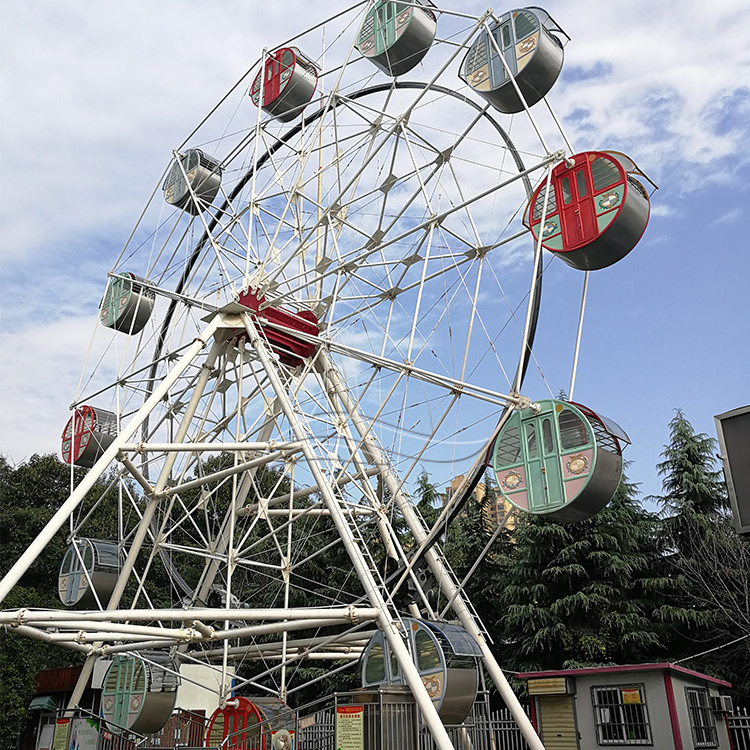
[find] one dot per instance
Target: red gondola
(257, 724)
(288, 80)
(89, 432)
(279, 327)
(596, 210)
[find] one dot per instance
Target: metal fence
(739, 729)
(389, 720)
(483, 729)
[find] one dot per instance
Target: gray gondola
(88, 433)
(563, 462)
(192, 182)
(127, 304)
(446, 657)
(89, 569)
(288, 80)
(532, 50)
(396, 36)
(139, 694)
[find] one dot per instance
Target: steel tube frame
(55, 523)
(459, 605)
(408, 668)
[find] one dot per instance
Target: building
(494, 512)
(662, 706)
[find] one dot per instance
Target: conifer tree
(694, 493)
(582, 594)
(708, 606)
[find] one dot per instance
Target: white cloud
(96, 95)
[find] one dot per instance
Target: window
(525, 24)
(375, 664)
(506, 35)
(531, 440)
(539, 204)
(581, 183)
(509, 449)
(565, 187)
(572, 430)
(549, 445)
(604, 173)
(621, 715)
(427, 653)
(702, 721)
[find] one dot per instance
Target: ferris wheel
(333, 286)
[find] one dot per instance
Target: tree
(694, 491)
(582, 594)
(708, 605)
(30, 493)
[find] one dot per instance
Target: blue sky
(96, 96)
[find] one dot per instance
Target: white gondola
(288, 80)
(446, 657)
(139, 694)
(396, 35)
(532, 58)
(88, 571)
(192, 182)
(127, 304)
(563, 462)
(88, 433)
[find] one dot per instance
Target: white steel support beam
(446, 581)
(156, 497)
(395, 641)
(61, 516)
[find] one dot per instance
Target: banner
(84, 734)
(350, 728)
(61, 734)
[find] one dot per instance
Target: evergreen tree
(428, 498)
(30, 494)
(581, 594)
(708, 605)
(694, 491)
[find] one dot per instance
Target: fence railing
(739, 728)
(389, 719)
(483, 729)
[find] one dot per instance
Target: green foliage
(428, 498)
(20, 659)
(30, 494)
(708, 604)
(691, 484)
(581, 594)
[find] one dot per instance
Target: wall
(196, 697)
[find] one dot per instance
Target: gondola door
(123, 691)
(272, 83)
(386, 28)
(574, 196)
(544, 473)
(503, 36)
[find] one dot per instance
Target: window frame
(621, 710)
(694, 712)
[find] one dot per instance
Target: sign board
(307, 721)
(46, 737)
(350, 728)
(61, 734)
(84, 734)
(733, 430)
(549, 686)
(630, 695)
